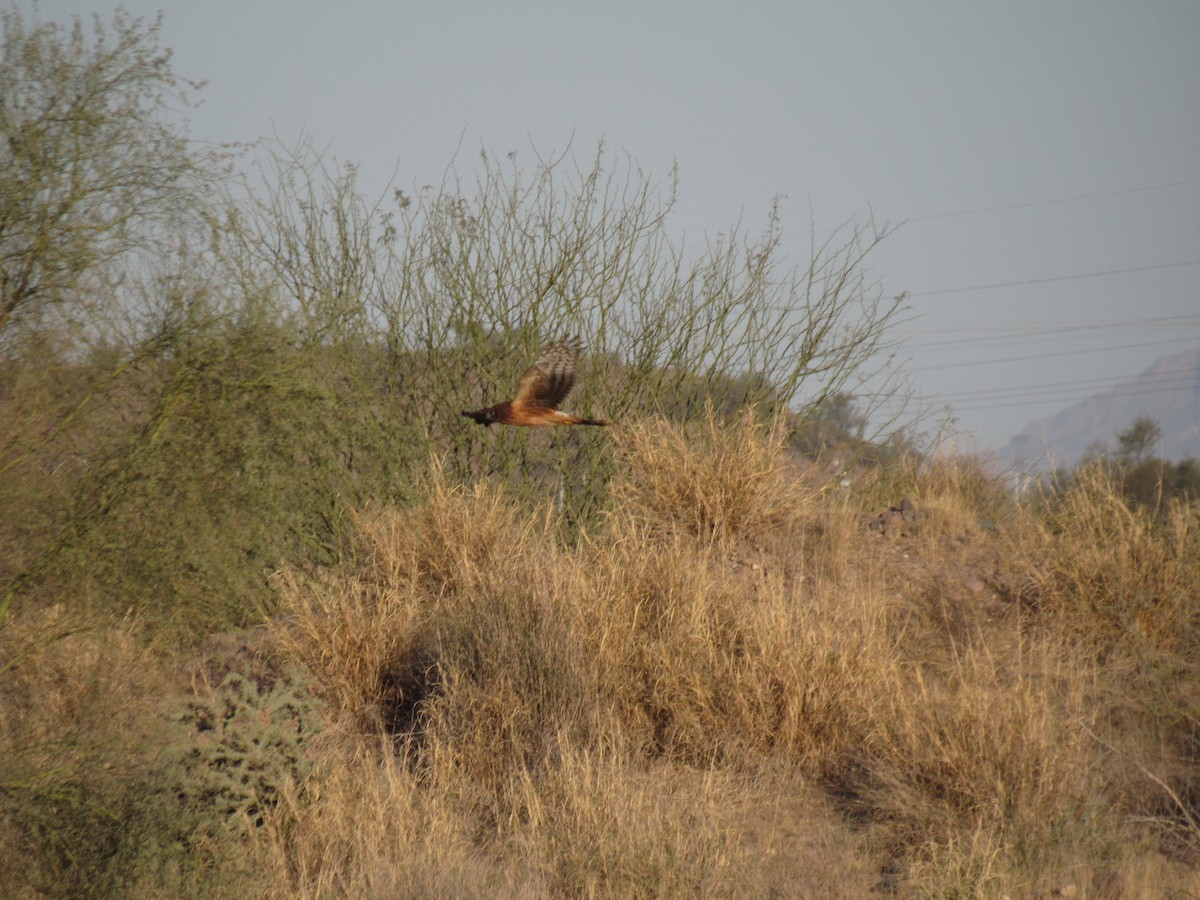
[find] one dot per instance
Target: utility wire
(1054, 278)
(1028, 332)
(1068, 199)
(1065, 387)
(1012, 403)
(1042, 356)
(1067, 396)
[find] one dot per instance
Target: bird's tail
(575, 420)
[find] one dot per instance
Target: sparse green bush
(1156, 483)
(461, 287)
(246, 456)
(98, 833)
(319, 352)
(1145, 480)
(246, 743)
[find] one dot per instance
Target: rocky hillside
(1168, 392)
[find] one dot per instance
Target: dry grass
(730, 686)
(715, 480)
(600, 709)
(1120, 584)
(984, 772)
(88, 804)
(370, 828)
(1121, 579)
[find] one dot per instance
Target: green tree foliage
(91, 167)
(97, 183)
(1152, 482)
(1144, 480)
(836, 423)
(1136, 443)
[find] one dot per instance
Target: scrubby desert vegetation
(726, 684)
(276, 621)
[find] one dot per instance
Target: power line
(1074, 387)
(1067, 199)
(1011, 403)
(1055, 355)
(1026, 332)
(1054, 278)
(1066, 396)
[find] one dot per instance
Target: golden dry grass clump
(1118, 583)
(563, 703)
(520, 712)
(1119, 578)
(715, 479)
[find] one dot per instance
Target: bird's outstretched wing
(548, 381)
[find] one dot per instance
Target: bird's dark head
(482, 416)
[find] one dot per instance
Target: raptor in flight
(544, 385)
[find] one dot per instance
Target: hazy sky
(1049, 148)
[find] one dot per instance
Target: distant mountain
(1168, 392)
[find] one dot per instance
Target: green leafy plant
(246, 744)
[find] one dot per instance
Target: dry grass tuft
(380, 635)
(955, 497)
(364, 645)
(701, 663)
(1119, 582)
(986, 769)
(71, 684)
(599, 824)
(600, 709)
(89, 803)
(447, 636)
(553, 673)
(1118, 578)
(714, 480)
(370, 828)
(594, 823)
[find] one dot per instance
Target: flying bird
(544, 385)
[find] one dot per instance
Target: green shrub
(246, 743)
